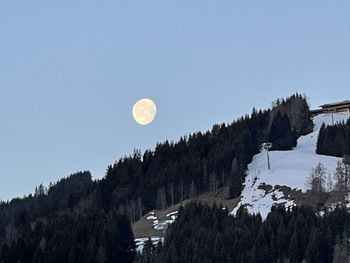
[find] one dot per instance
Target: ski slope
(289, 168)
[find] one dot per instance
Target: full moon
(144, 111)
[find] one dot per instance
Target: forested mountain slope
(45, 223)
(209, 234)
(287, 183)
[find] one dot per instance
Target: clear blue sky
(70, 72)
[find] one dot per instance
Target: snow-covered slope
(289, 168)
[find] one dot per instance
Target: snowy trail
(290, 168)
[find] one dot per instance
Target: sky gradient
(70, 72)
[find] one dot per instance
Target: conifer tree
(318, 249)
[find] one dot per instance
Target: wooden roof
(342, 103)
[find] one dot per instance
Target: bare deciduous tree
(317, 179)
(342, 175)
(171, 191)
(329, 182)
(161, 199)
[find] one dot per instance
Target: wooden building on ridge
(343, 106)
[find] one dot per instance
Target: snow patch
(140, 242)
(163, 224)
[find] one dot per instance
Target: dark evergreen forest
(87, 215)
(54, 226)
(206, 234)
(334, 140)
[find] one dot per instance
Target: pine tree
(321, 140)
(148, 251)
(318, 250)
(281, 135)
(340, 254)
(293, 250)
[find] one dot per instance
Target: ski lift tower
(266, 146)
(332, 114)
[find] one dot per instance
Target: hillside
(202, 233)
(285, 183)
(288, 168)
(148, 189)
